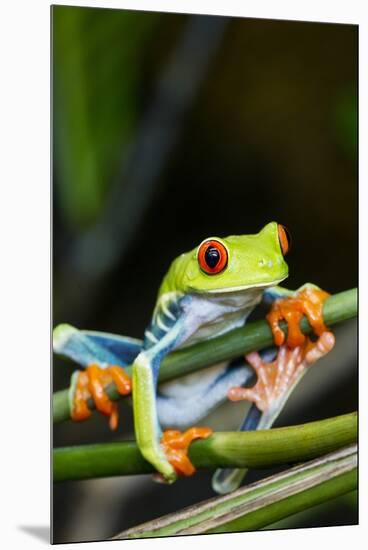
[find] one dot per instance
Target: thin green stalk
(256, 449)
(262, 503)
(253, 336)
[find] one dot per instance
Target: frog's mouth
(240, 288)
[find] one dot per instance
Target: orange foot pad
(276, 379)
(307, 302)
(91, 383)
(176, 445)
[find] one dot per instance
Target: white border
(25, 240)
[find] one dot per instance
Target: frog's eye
(284, 239)
(212, 257)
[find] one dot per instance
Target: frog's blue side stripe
(86, 347)
(164, 319)
(168, 342)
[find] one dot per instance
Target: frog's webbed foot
(91, 384)
(176, 444)
(276, 380)
(308, 301)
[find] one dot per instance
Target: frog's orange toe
(80, 410)
(176, 446)
(91, 383)
(307, 302)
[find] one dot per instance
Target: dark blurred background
(168, 128)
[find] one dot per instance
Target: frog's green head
(231, 264)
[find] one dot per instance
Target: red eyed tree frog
(208, 291)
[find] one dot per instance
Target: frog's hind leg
(104, 357)
(183, 402)
(275, 381)
(226, 480)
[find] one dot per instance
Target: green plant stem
(253, 336)
(256, 449)
(262, 503)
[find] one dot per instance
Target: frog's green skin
(192, 306)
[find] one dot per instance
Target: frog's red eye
(284, 239)
(212, 257)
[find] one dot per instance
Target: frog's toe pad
(176, 446)
(309, 302)
(91, 384)
(318, 349)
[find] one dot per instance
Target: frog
(206, 292)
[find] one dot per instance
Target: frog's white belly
(184, 401)
(210, 315)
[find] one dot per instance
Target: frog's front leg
(91, 384)
(308, 300)
(147, 429)
(167, 451)
(104, 357)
